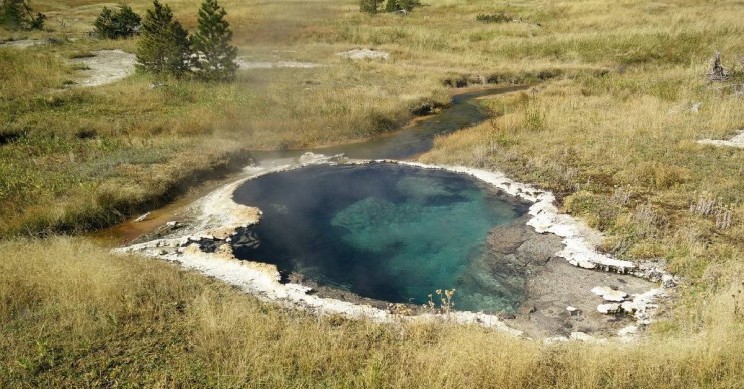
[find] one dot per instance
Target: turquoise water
(383, 231)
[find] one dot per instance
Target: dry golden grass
(82, 317)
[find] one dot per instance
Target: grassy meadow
(619, 99)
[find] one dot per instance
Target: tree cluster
(167, 49)
(112, 24)
(17, 14)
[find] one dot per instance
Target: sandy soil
(105, 67)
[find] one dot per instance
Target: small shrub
(500, 17)
(534, 118)
(446, 304)
(117, 24)
(391, 6)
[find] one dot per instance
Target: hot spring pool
(384, 231)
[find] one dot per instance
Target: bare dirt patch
(251, 65)
(23, 43)
(735, 141)
(364, 54)
(105, 67)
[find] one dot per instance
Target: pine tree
(17, 14)
(369, 6)
(392, 6)
(164, 47)
(117, 24)
(215, 56)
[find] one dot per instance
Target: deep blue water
(384, 231)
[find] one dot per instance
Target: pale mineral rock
(629, 330)
(608, 308)
(609, 294)
(106, 66)
(584, 337)
(364, 54)
(573, 311)
(735, 141)
(250, 65)
(142, 217)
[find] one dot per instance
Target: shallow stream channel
(358, 230)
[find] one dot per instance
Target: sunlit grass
(608, 127)
(82, 317)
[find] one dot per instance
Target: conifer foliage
(17, 14)
(369, 6)
(112, 24)
(215, 56)
(164, 48)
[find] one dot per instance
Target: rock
(225, 251)
(364, 54)
(505, 239)
(246, 238)
(192, 249)
(173, 224)
(246, 64)
(629, 306)
(573, 311)
(609, 294)
(539, 247)
(222, 233)
(582, 336)
(668, 281)
(627, 331)
(555, 339)
(608, 308)
(584, 264)
(142, 217)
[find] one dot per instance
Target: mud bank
(203, 243)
